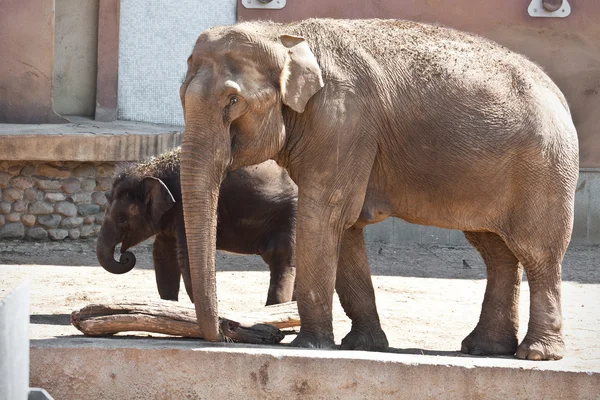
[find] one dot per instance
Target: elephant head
(238, 90)
(134, 213)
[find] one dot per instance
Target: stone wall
(52, 200)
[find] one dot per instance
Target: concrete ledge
(122, 368)
(86, 140)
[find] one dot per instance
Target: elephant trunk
(105, 250)
(205, 157)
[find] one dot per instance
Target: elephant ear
(158, 198)
(301, 77)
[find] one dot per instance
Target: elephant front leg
(184, 262)
(316, 262)
(355, 290)
(166, 267)
(496, 331)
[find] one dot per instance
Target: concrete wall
(586, 228)
(155, 40)
(75, 54)
(97, 368)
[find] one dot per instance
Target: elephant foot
(313, 340)
(537, 350)
(479, 344)
(371, 339)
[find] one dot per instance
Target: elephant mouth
(126, 244)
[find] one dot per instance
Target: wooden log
(260, 326)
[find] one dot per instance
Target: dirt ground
(429, 297)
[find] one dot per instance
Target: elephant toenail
(534, 355)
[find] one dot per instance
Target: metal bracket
(536, 9)
(264, 4)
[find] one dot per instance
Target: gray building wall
(75, 55)
(156, 38)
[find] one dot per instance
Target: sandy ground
(429, 297)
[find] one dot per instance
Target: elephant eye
(233, 100)
(121, 218)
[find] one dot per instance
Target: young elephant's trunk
(105, 250)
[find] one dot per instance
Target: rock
(66, 208)
(79, 198)
(21, 182)
(87, 231)
(72, 222)
(12, 194)
(20, 206)
(2, 220)
(5, 207)
(15, 169)
(100, 219)
(41, 208)
(28, 220)
(47, 184)
(105, 170)
(85, 170)
(14, 230)
(96, 229)
(74, 233)
(55, 196)
(32, 195)
(103, 184)
(71, 185)
(88, 185)
(4, 179)
(50, 221)
(99, 198)
(88, 209)
(71, 164)
(89, 219)
(13, 217)
(37, 233)
(28, 170)
(58, 234)
(52, 172)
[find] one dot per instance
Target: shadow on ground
(50, 319)
(410, 260)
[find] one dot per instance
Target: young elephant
(256, 215)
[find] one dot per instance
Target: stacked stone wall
(53, 200)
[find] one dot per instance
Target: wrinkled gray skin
(376, 118)
(257, 215)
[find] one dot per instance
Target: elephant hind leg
(541, 257)
(355, 290)
(496, 331)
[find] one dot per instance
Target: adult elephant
(379, 118)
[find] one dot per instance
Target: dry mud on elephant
(386, 118)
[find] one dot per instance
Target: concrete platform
(86, 140)
(79, 368)
(428, 300)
